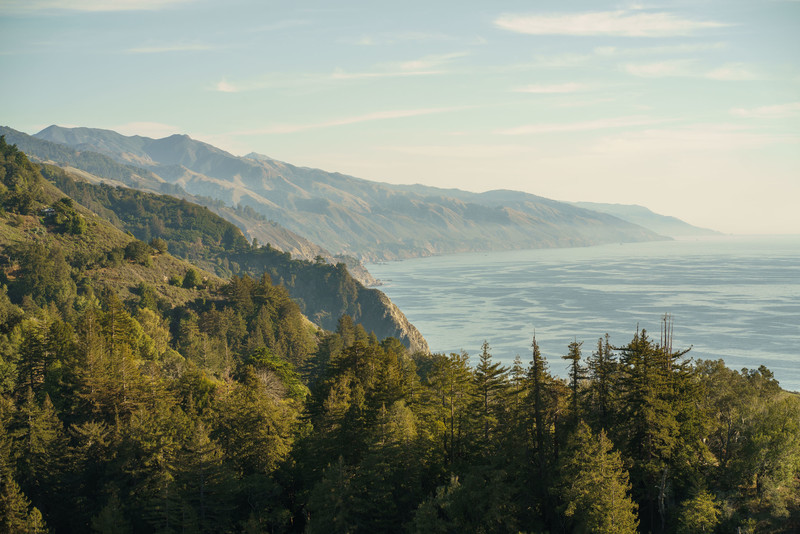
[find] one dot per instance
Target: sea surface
(730, 298)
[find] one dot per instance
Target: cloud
(731, 72)
(170, 48)
(551, 89)
(340, 74)
(90, 5)
(779, 111)
(368, 117)
(617, 23)
(660, 69)
(687, 68)
(391, 38)
(459, 152)
(147, 129)
(689, 48)
(224, 87)
(704, 137)
(428, 62)
(585, 126)
(424, 66)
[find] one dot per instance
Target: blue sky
(689, 108)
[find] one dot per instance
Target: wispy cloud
(585, 126)
(391, 38)
(368, 117)
(340, 74)
(158, 49)
(618, 23)
(702, 137)
(427, 62)
(224, 87)
(558, 88)
(424, 66)
(471, 151)
(779, 111)
(689, 68)
(732, 72)
(89, 5)
(688, 48)
(660, 69)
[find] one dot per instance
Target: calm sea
(734, 298)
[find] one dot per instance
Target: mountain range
(369, 220)
(661, 224)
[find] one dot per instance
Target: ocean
(730, 298)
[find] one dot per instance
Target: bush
(159, 245)
(138, 251)
(192, 279)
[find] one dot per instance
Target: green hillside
(324, 292)
(99, 168)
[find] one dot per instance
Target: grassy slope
(99, 238)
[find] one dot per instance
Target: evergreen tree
(576, 375)
(490, 389)
(698, 514)
(203, 484)
(594, 486)
(602, 367)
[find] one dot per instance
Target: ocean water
(730, 298)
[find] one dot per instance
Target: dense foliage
(229, 412)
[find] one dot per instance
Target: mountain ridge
(101, 168)
(661, 224)
(369, 220)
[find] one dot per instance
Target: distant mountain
(660, 224)
(97, 167)
(353, 216)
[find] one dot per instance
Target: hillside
(98, 168)
(349, 215)
(660, 224)
(57, 246)
(324, 292)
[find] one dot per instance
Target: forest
(214, 405)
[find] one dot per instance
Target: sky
(690, 108)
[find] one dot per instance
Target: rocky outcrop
(381, 316)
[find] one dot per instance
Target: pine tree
(594, 486)
(13, 507)
(576, 375)
(452, 387)
(602, 367)
(203, 481)
(700, 513)
(490, 386)
(40, 443)
(538, 378)
(650, 375)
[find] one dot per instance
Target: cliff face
(380, 315)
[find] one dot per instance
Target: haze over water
(734, 298)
